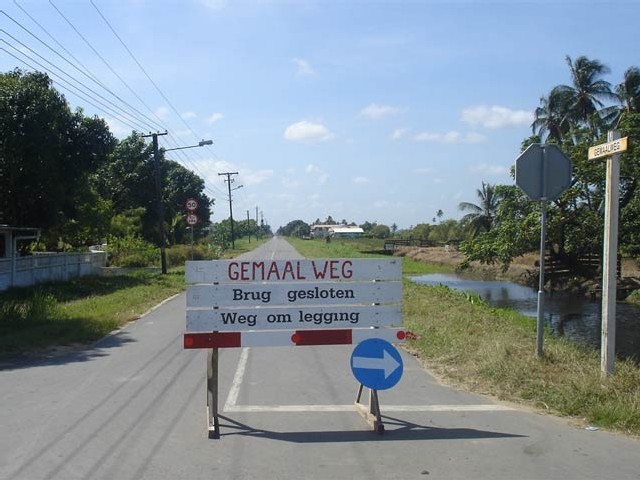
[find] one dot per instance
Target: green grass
(492, 351)
(341, 248)
(78, 311)
(360, 248)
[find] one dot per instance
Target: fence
(49, 267)
(391, 245)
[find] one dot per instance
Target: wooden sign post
(611, 151)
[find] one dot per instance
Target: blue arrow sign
(376, 364)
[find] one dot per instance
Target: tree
(516, 230)
(380, 231)
(47, 153)
(588, 90)
(295, 228)
(629, 90)
(551, 118)
(481, 217)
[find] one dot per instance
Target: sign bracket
(370, 412)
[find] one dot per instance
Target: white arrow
(386, 363)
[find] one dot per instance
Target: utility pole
(258, 228)
(248, 227)
(229, 181)
(156, 162)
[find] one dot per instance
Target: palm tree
(551, 118)
(629, 90)
(588, 89)
(482, 216)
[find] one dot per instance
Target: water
(572, 316)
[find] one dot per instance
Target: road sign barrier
(268, 303)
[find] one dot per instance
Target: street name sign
(376, 364)
(605, 149)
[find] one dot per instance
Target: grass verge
(78, 311)
(492, 351)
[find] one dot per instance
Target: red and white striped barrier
(291, 338)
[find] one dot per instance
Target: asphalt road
(132, 406)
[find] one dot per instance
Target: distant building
(343, 231)
(321, 230)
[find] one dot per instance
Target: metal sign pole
(610, 255)
(540, 316)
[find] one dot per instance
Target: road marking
(232, 398)
(231, 406)
(350, 408)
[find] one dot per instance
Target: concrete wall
(49, 267)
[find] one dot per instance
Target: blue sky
(382, 111)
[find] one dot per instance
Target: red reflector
(401, 335)
(322, 337)
(212, 340)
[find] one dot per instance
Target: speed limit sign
(191, 219)
(191, 204)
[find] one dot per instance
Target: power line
(144, 71)
(93, 49)
(70, 86)
(87, 75)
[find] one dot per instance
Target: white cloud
(378, 112)
(303, 68)
(162, 113)
(398, 133)
(188, 115)
(118, 128)
(486, 169)
(449, 137)
(424, 170)
(320, 175)
(214, 117)
(305, 131)
(496, 117)
(361, 180)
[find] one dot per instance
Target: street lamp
(201, 143)
(156, 158)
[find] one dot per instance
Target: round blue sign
(376, 364)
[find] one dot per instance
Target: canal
(575, 317)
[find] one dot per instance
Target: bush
(131, 251)
(177, 255)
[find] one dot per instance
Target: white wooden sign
(309, 270)
(292, 294)
(274, 318)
